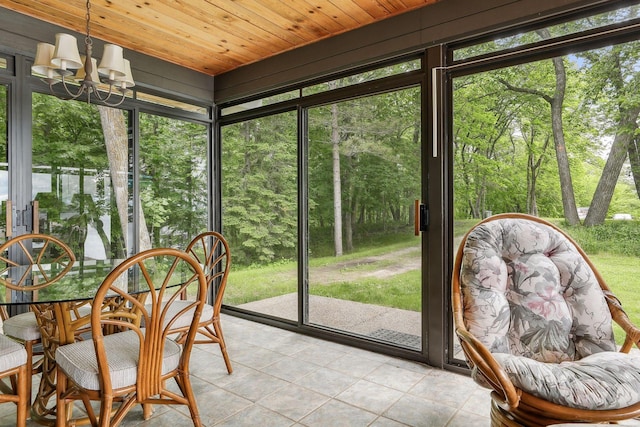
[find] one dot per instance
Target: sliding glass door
(319, 204)
(365, 261)
(260, 221)
(556, 137)
(4, 160)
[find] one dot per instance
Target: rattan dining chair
(211, 250)
(34, 252)
(133, 366)
(13, 365)
(535, 321)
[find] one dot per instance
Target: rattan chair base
(500, 417)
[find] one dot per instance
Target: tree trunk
(564, 172)
(532, 203)
(634, 160)
(337, 187)
(116, 141)
(618, 154)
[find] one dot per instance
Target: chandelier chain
(88, 20)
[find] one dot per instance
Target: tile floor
(282, 378)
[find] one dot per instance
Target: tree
(555, 102)
(116, 142)
(615, 87)
(337, 181)
(260, 188)
(483, 117)
(173, 179)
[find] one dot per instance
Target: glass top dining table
(62, 309)
(79, 284)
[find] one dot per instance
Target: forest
(556, 138)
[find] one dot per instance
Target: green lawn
(621, 271)
(622, 274)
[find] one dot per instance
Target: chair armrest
(480, 358)
(632, 332)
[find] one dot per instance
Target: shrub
(614, 237)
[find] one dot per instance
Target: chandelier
(62, 63)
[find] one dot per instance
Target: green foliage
(259, 172)
(504, 135)
(74, 175)
(377, 139)
(70, 167)
(173, 179)
(255, 283)
(67, 134)
(612, 237)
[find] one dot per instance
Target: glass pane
(170, 103)
(367, 76)
(557, 139)
(285, 96)
(364, 175)
(572, 27)
(173, 181)
(4, 165)
(260, 214)
(79, 176)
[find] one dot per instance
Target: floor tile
(256, 416)
(446, 388)
(338, 414)
(327, 381)
(293, 401)
(290, 368)
(353, 365)
(254, 386)
(415, 411)
(370, 396)
(394, 377)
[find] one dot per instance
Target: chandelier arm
(72, 96)
(105, 99)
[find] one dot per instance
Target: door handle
(36, 217)
(416, 217)
(420, 217)
(9, 220)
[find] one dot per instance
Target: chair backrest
(46, 259)
(526, 288)
(211, 250)
(161, 275)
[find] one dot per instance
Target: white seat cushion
(23, 326)
(12, 354)
(79, 361)
(185, 319)
(601, 381)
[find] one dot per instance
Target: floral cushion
(605, 380)
(528, 293)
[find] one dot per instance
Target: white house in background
(622, 216)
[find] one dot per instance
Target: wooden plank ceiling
(213, 36)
